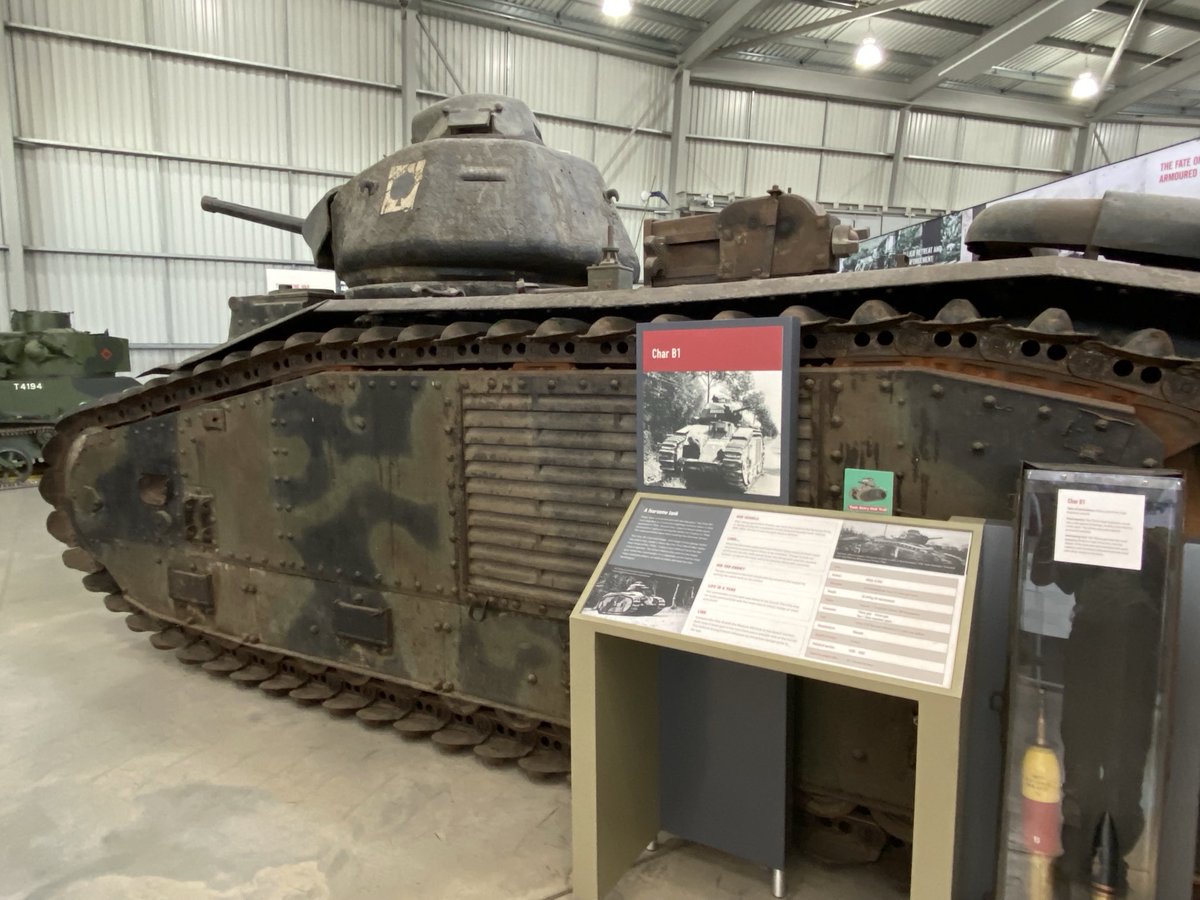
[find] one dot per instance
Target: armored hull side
(390, 505)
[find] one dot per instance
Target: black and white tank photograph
(713, 432)
(653, 599)
(903, 546)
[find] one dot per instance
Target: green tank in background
(48, 369)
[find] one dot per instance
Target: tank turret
(42, 343)
(39, 320)
(477, 204)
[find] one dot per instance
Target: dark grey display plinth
(724, 755)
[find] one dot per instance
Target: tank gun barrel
(282, 221)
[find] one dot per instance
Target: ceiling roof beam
(715, 34)
(1003, 41)
(1022, 76)
(918, 60)
(572, 32)
(1187, 23)
(779, 72)
(648, 14)
(863, 12)
(880, 92)
(974, 29)
(1111, 68)
(1147, 87)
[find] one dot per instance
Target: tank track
(666, 455)
(495, 736)
(732, 462)
(1143, 370)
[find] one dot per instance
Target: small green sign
(869, 490)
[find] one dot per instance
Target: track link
(541, 749)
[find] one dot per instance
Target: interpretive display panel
(1090, 713)
(883, 605)
(717, 407)
(878, 597)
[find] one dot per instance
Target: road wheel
(16, 463)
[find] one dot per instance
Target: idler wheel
(16, 465)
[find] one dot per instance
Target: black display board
(717, 408)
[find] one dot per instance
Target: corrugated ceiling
(923, 33)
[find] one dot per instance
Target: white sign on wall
(301, 279)
(1174, 171)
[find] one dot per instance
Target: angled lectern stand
(615, 719)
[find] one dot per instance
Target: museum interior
(628, 449)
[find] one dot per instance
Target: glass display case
(1099, 558)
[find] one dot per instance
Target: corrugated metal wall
(743, 142)
(127, 111)
(121, 126)
(953, 162)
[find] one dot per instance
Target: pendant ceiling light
(1085, 86)
(616, 9)
(869, 54)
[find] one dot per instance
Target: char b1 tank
(720, 447)
(911, 546)
(387, 502)
(47, 368)
(867, 491)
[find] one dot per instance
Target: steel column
(898, 156)
(160, 166)
(681, 118)
(1083, 142)
(408, 70)
(17, 296)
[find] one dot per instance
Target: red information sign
(757, 348)
(716, 407)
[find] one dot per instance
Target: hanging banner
(1173, 171)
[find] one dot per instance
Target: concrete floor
(125, 774)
